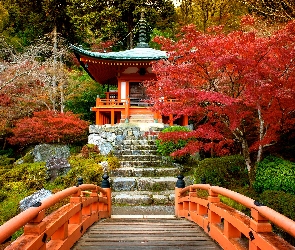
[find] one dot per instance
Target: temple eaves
(137, 53)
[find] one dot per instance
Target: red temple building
(126, 70)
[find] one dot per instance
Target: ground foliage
(20, 180)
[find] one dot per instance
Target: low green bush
(87, 168)
(228, 172)
(279, 201)
(282, 202)
(274, 173)
(31, 175)
(9, 206)
(8, 152)
(113, 162)
(29, 157)
(3, 195)
(5, 160)
(235, 205)
(165, 148)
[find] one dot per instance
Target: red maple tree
(237, 86)
(49, 127)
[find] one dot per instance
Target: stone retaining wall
(112, 138)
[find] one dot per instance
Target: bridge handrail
(209, 210)
(278, 219)
(30, 215)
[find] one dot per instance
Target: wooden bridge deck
(145, 234)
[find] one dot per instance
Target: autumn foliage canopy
(49, 127)
(238, 87)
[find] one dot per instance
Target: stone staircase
(145, 180)
(141, 118)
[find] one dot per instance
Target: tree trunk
(261, 134)
(54, 84)
(246, 154)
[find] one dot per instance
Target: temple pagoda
(125, 70)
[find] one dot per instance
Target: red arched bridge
(89, 203)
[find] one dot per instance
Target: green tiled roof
(138, 53)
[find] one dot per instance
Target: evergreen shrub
(274, 173)
(279, 201)
(283, 203)
(228, 172)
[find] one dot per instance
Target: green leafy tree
(205, 13)
(81, 93)
(3, 17)
(26, 19)
(116, 20)
(278, 11)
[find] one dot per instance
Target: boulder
(44, 152)
(57, 167)
(34, 200)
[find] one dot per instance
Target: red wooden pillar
(112, 117)
(97, 117)
(185, 120)
(171, 120)
(127, 105)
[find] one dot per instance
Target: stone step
(149, 151)
(120, 149)
(143, 183)
(140, 158)
(144, 172)
(143, 198)
(142, 115)
(143, 164)
(138, 142)
(141, 120)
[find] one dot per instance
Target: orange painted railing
(62, 228)
(229, 227)
(111, 102)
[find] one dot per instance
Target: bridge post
(213, 218)
(180, 184)
(105, 184)
(76, 199)
(36, 227)
(259, 224)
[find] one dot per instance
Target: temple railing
(119, 102)
(127, 102)
(87, 204)
(110, 102)
(232, 229)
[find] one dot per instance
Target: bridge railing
(231, 228)
(62, 228)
